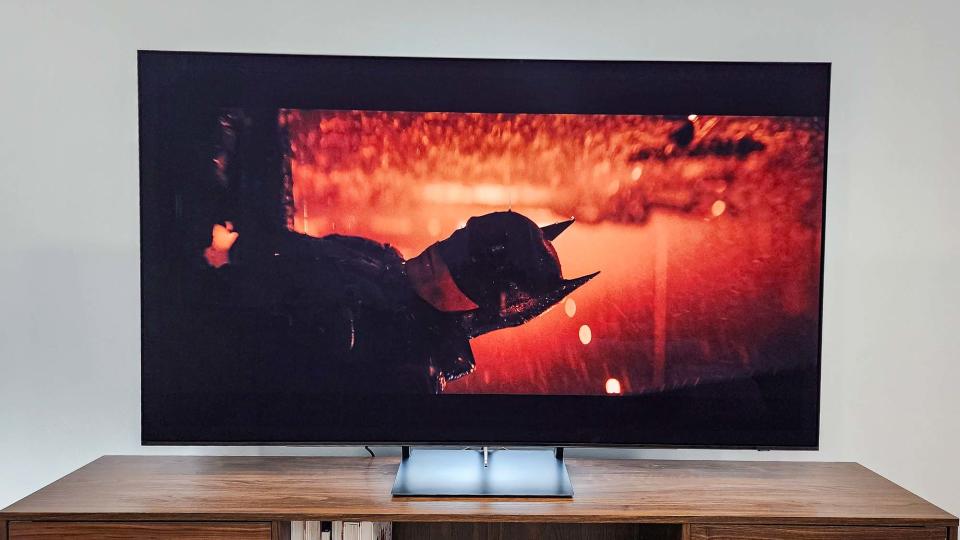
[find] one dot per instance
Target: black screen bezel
(175, 84)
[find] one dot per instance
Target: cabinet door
(776, 532)
(534, 531)
(40, 530)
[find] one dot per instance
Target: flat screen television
(362, 250)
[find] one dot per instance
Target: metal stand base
(482, 473)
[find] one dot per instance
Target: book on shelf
(361, 530)
(310, 530)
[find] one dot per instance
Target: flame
(222, 239)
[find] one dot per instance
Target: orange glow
(680, 292)
(433, 227)
(222, 239)
(612, 386)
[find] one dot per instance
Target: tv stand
(256, 498)
(471, 472)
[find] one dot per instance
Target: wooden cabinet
(36, 530)
(773, 532)
(535, 531)
(623, 531)
(247, 498)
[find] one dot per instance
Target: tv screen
(396, 250)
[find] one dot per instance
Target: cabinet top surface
(254, 488)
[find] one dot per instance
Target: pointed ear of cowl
(551, 232)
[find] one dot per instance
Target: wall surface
(69, 271)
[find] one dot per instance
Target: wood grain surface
(281, 530)
(296, 488)
(534, 531)
(753, 532)
(27, 530)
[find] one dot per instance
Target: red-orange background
(706, 259)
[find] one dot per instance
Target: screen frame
(179, 81)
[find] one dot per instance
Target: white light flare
(585, 335)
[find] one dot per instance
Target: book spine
(297, 530)
(376, 530)
(360, 530)
(311, 530)
(351, 530)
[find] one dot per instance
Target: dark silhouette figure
(350, 313)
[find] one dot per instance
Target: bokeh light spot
(585, 334)
(570, 307)
(719, 207)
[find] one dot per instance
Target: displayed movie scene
(481, 253)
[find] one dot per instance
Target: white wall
(69, 289)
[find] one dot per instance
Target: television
(470, 252)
